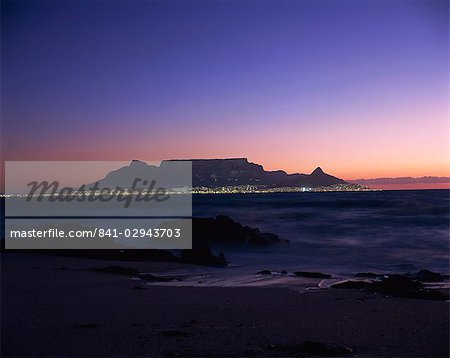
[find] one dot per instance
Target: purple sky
(357, 87)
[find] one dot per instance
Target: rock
(312, 274)
(201, 254)
(428, 276)
(119, 270)
(402, 286)
(221, 258)
(224, 232)
(396, 286)
(284, 272)
(264, 272)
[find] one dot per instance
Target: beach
(57, 306)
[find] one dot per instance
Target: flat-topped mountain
(217, 173)
(239, 171)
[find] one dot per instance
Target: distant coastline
(405, 183)
(248, 189)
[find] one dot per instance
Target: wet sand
(54, 306)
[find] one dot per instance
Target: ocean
(342, 232)
(339, 232)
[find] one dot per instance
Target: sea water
(382, 231)
(338, 232)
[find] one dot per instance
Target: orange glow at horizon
(356, 144)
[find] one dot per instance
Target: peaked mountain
(317, 178)
(218, 172)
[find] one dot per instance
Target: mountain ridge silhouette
(217, 173)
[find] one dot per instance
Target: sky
(359, 88)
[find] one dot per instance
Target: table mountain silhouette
(214, 173)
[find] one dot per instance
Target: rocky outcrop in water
(201, 255)
(223, 231)
(396, 286)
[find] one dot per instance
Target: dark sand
(49, 311)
